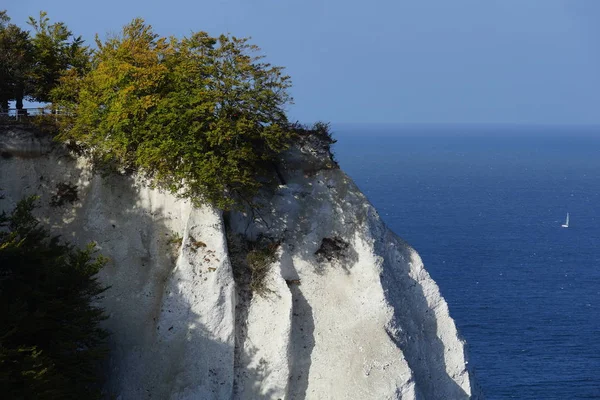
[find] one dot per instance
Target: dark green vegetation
(50, 341)
(201, 116)
(251, 261)
(259, 260)
(31, 63)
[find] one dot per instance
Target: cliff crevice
(349, 311)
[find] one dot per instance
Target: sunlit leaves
(202, 116)
(31, 64)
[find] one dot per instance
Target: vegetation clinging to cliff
(201, 116)
(50, 341)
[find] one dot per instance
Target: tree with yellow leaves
(201, 116)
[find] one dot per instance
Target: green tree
(56, 51)
(50, 341)
(16, 60)
(201, 116)
(31, 67)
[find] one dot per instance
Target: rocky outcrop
(348, 311)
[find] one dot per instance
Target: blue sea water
(483, 205)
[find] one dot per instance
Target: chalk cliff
(348, 310)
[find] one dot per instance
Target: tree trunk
(19, 97)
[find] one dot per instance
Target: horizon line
(533, 124)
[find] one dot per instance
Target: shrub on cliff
(50, 341)
(259, 259)
(201, 116)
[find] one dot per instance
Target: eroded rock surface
(350, 312)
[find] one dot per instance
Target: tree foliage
(31, 66)
(50, 342)
(56, 51)
(202, 116)
(16, 60)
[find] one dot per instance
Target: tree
(56, 51)
(201, 116)
(16, 60)
(50, 341)
(30, 67)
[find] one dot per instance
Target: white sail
(566, 224)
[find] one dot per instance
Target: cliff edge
(346, 308)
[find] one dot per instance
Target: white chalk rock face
(349, 312)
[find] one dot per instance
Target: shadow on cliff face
(415, 329)
(296, 213)
(256, 375)
(250, 371)
(303, 211)
(302, 342)
(287, 218)
(160, 349)
(423, 349)
(152, 355)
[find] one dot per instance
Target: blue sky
(434, 61)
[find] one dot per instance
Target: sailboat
(566, 224)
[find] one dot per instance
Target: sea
(483, 205)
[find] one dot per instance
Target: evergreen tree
(56, 51)
(30, 67)
(50, 341)
(16, 61)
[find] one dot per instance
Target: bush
(50, 340)
(251, 261)
(259, 260)
(320, 129)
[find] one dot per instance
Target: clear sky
(418, 61)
